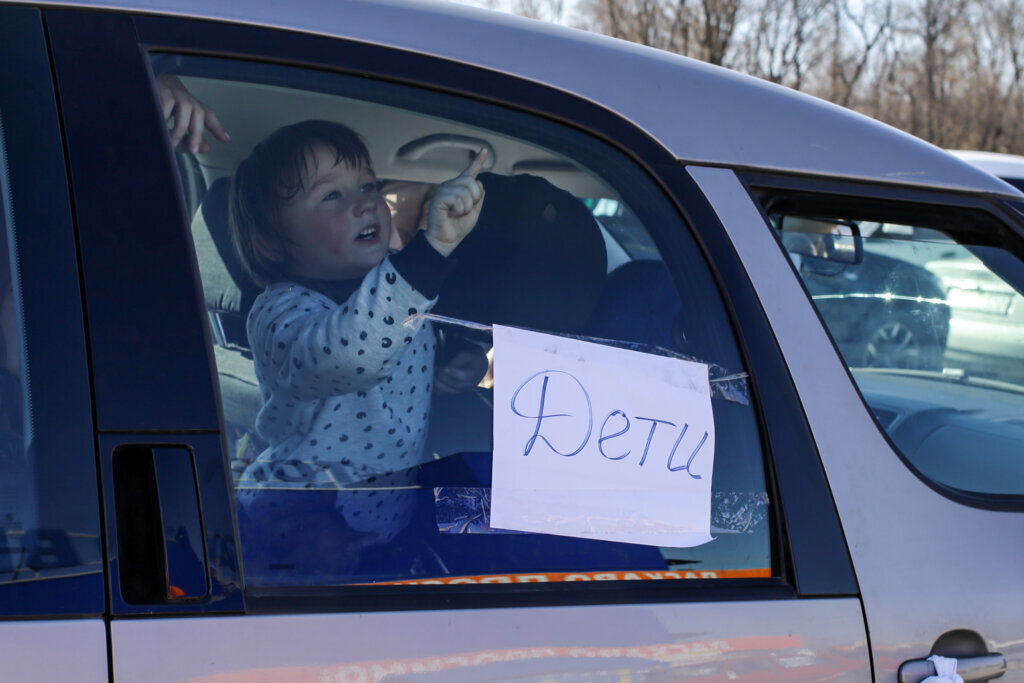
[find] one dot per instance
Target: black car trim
(150, 356)
(905, 201)
(577, 593)
(162, 385)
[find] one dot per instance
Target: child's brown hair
(270, 176)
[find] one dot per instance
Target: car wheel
(894, 341)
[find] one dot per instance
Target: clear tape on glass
(725, 384)
(467, 510)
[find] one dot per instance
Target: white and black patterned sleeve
(313, 348)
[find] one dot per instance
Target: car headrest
(226, 286)
(536, 259)
(640, 304)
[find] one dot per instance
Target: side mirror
(830, 241)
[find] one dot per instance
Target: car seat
(229, 294)
(640, 304)
(228, 291)
(536, 259)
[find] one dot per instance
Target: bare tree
(995, 86)
(698, 28)
(719, 24)
(858, 34)
(950, 71)
(784, 38)
(545, 10)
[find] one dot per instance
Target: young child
(346, 387)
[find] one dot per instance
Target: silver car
(635, 442)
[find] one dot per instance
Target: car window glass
(31, 548)
(17, 500)
(340, 480)
(929, 317)
(51, 559)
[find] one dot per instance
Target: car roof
(701, 113)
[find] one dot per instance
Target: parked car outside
(1009, 167)
(987, 329)
(883, 310)
(709, 443)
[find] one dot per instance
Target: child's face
(338, 226)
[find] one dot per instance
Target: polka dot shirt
(346, 386)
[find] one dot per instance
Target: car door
(934, 449)
(287, 590)
(52, 596)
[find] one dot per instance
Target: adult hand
(463, 372)
(455, 208)
(408, 201)
(190, 116)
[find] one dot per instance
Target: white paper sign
(597, 442)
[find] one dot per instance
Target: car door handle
(980, 668)
(161, 550)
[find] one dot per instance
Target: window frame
(809, 549)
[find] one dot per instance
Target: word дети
(567, 390)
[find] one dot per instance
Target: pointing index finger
(477, 164)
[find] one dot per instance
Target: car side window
(50, 546)
(360, 413)
(925, 306)
(18, 504)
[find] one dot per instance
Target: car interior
(403, 145)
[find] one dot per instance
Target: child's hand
(463, 372)
(190, 117)
(455, 208)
